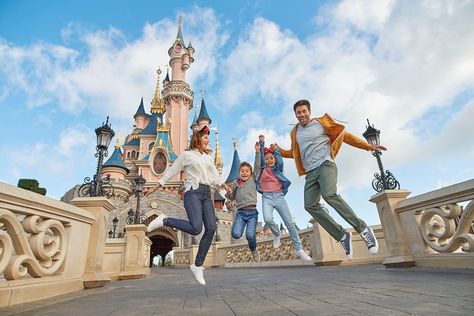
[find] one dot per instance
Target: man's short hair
(300, 103)
(245, 164)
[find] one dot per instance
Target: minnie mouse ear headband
(267, 150)
(205, 129)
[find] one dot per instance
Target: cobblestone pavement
(307, 290)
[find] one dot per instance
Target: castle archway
(162, 241)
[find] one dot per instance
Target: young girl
(201, 176)
(274, 185)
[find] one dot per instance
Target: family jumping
(315, 142)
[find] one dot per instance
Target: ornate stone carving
(182, 257)
(236, 254)
(35, 246)
(178, 91)
(438, 228)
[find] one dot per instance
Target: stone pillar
(218, 259)
(324, 248)
(100, 208)
(137, 253)
(398, 254)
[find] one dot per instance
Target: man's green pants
(322, 181)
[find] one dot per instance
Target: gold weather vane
(234, 142)
(202, 93)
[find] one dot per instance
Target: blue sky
(407, 66)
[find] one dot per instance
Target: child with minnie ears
(201, 176)
(273, 185)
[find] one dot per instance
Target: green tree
(31, 185)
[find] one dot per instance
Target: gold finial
(234, 142)
(180, 20)
(157, 104)
(117, 141)
(202, 93)
(218, 158)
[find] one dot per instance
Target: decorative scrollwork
(390, 182)
(438, 228)
(41, 254)
(182, 257)
(92, 188)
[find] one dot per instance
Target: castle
(152, 146)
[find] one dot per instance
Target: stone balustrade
(432, 229)
(49, 248)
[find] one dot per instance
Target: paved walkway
(356, 290)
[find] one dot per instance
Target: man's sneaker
(346, 243)
(303, 255)
(276, 242)
(198, 273)
(255, 256)
(369, 237)
(156, 223)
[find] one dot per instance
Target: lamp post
(99, 186)
(385, 180)
(114, 223)
(216, 236)
(139, 183)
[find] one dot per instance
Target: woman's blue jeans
(200, 209)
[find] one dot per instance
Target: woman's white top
(199, 168)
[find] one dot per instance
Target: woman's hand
(149, 191)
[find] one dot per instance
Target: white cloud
(111, 72)
(389, 61)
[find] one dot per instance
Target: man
(314, 146)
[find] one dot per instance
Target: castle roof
(140, 110)
(234, 169)
(150, 129)
(116, 160)
(135, 142)
(203, 115)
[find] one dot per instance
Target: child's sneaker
(156, 223)
(303, 255)
(276, 242)
(255, 256)
(346, 243)
(369, 237)
(198, 273)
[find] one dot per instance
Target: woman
(201, 176)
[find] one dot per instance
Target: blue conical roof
(116, 160)
(203, 115)
(234, 169)
(135, 142)
(194, 123)
(140, 110)
(150, 129)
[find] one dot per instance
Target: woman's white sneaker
(198, 273)
(156, 223)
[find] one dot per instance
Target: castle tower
(203, 118)
(234, 169)
(218, 158)
(177, 94)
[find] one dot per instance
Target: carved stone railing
(43, 246)
(431, 229)
(181, 258)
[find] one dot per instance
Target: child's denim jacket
(277, 169)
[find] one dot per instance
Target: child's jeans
(276, 200)
(247, 217)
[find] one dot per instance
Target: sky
(407, 66)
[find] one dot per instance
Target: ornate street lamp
(139, 183)
(99, 186)
(384, 180)
(110, 233)
(135, 217)
(217, 237)
(114, 223)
